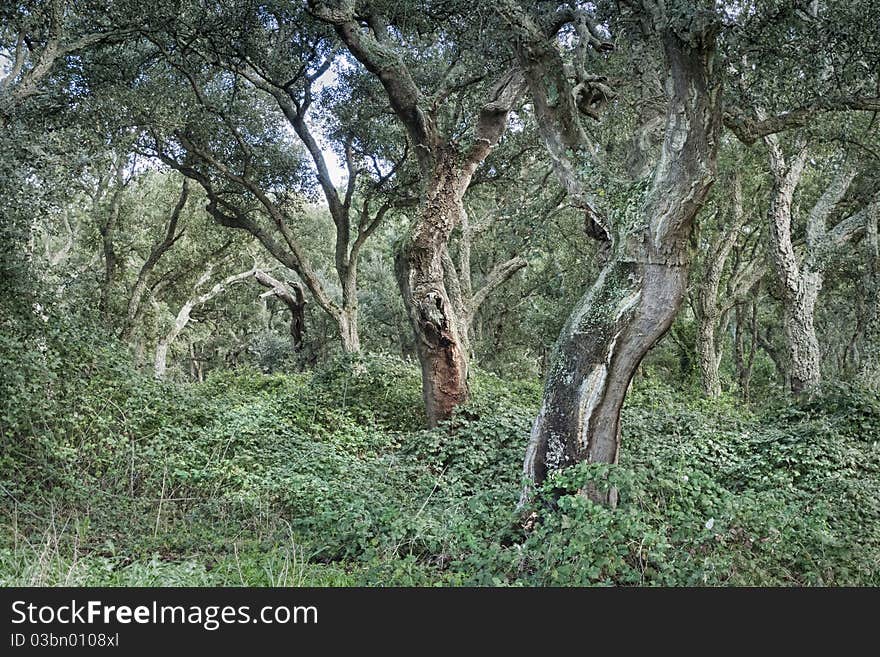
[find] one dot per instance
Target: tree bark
(133, 312)
(869, 365)
(638, 293)
(446, 171)
(801, 279)
(744, 353)
(160, 363)
(107, 229)
(441, 340)
(710, 310)
(709, 356)
(293, 297)
(800, 333)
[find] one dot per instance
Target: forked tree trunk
(713, 313)
(638, 293)
(160, 363)
(801, 278)
(445, 173)
(134, 311)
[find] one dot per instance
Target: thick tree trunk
(800, 333)
(638, 293)
(438, 327)
(709, 355)
(445, 173)
(629, 308)
(801, 280)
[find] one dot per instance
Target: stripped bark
(446, 170)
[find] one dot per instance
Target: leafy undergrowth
(327, 478)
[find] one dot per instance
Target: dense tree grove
(440, 291)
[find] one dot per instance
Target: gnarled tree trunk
(801, 278)
(293, 297)
(445, 171)
(441, 339)
(134, 310)
(638, 293)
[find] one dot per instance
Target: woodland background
(290, 290)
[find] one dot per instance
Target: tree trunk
(713, 314)
(744, 355)
(445, 173)
(800, 333)
(869, 367)
(348, 330)
(638, 293)
(160, 362)
(134, 311)
(438, 328)
(629, 308)
(293, 296)
(107, 229)
(709, 355)
(778, 356)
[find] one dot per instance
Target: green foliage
(326, 478)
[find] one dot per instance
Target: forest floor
(328, 478)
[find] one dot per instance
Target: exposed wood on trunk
(422, 264)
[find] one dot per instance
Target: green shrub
(328, 477)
